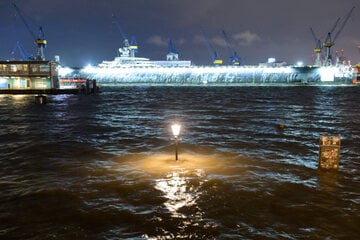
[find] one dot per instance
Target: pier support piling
(40, 99)
(329, 152)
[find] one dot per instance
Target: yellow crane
(39, 40)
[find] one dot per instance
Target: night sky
(83, 32)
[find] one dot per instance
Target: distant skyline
(82, 32)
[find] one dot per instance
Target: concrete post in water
(40, 99)
(329, 152)
(94, 86)
(87, 87)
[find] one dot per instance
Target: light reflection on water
(178, 194)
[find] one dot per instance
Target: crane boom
(173, 54)
(317, 49)
(24, 21)
(132, 47)
(329, 42)
(328, 37)
(116, 21)
(344, 23)
(39, 41)
(317, 40)
(21, 50)
(233, 59)
(227, 42)
(215, 57)
(171, 47)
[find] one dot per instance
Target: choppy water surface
(102, 167)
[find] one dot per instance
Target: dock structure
(26, 75)
(40, 77)
(81, 85)
(39, 91)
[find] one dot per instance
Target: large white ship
(129, 69)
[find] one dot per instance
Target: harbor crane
(39, 40)
(330, 39)
(215, 57)
(173, 54)
(131, 46)
(23, 54)
(233, 59)
(171, 47)
(317, 49)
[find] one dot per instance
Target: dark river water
(103, 166)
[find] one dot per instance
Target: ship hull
(214, 75)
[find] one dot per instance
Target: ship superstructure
(127, 59)
(127, 55)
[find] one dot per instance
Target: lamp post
(176, 131)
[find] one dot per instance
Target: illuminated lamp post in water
(176, 132)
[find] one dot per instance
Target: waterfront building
(29, 75)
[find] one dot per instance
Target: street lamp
(176, 132)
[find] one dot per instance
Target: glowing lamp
(176, 132)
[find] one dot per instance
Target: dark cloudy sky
(82, 31)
